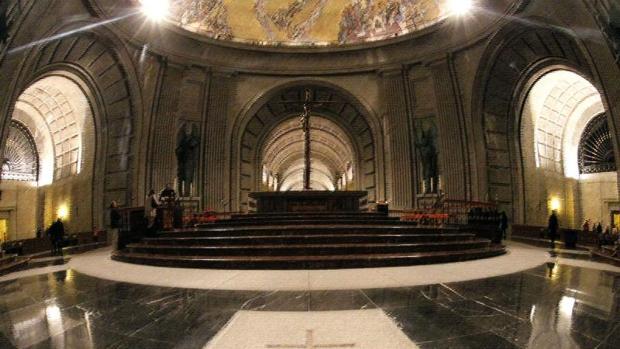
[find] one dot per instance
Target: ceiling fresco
(305, 22)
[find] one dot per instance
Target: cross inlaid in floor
(310, 344)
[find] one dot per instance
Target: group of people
(607, 236)
(56, 234)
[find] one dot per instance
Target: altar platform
(308, 201)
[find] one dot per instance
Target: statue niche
(187, 152)
(426, 146)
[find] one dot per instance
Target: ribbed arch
(331, 152)
(343, 141)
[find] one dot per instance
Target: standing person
(586, 226)
(554, 226)
(152, 204)
(503, 224)
(56, 234)
(115, 225)
(168, 194)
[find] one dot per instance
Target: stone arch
(282, 153)
(99, 63)
(517, 56)
(264, 114)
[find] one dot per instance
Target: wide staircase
(307, 241)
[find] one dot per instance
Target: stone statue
(4, 24)
(427, 149)
(187, 152)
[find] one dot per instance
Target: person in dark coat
(503, 224)
(553, 227)
(115, 225)
(56, 234)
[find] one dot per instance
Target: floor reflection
(551, 306)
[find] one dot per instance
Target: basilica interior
(245, 174)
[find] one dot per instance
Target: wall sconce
(555, 204)
(63, 211)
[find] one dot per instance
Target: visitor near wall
(553, 227)
(115, 225)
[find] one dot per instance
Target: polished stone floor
(551, 306)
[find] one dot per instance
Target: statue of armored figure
(187, 152)
(4, 25)
(427, 150)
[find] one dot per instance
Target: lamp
(460, 7)
(155, 10)
(555, 204)
(63, 211)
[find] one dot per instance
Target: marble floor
(557, 304)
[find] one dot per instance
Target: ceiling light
(460, 7)
(155, 10)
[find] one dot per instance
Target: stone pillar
(216, 172)
(191, 112)
(162, 141)
(453, 154)
(401, 189)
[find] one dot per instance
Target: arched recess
(57, 114)
(285, 102)
(99, 63)
(516, 58)
(332, 155)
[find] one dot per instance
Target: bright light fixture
(460, 7)
(555, 204)
(63, 212)
(155, 10)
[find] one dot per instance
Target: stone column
(216, 160)
(453, 154)
(162, 142)
(401, 188)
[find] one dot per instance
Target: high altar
(308, 201)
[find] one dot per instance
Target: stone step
(605, 257)
(306, 249)
(307, 262)
(13, 264)
(304, 229)
(335, 238)
(227, 223)
(319, 215)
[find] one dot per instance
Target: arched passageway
(270, 144)
(332, 156)
(48, 158)
(567, 152)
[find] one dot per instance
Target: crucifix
(305, 127)
(310, 344)
(304, 120)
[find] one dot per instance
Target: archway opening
(567, 152)
(331, 157)
(345, 142)
(48, 158)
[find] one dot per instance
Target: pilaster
(400, 184)
(453, 154)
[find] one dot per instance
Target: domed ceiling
(305, 22)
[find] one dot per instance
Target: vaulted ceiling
(305, 22)
(331, 153)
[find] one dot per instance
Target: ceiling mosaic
(305, 22)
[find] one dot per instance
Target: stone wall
(599, 196)
(467, 75)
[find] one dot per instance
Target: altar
(308, 201)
